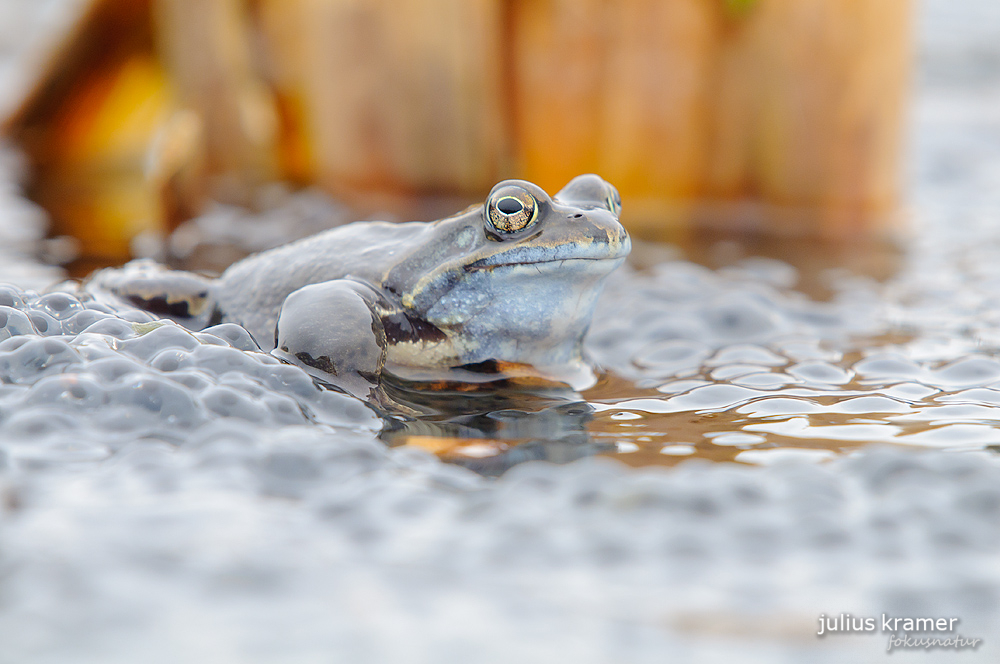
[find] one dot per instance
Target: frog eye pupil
(511, 209)
(510, 205)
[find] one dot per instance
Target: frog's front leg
(333, 331)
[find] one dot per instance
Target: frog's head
(514, 280)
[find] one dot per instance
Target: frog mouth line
(478, 267)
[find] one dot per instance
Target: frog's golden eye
(511, 209)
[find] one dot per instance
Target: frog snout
(597, 231)
(618, 242)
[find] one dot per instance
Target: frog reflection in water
(477, 297)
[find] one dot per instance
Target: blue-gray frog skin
(476, 297)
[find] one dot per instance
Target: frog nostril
(577, 216)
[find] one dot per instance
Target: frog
(501, 291)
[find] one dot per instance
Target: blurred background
(785, 117)
(852, 138)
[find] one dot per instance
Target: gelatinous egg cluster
(75, 375)
(162, 489)
(735, 365)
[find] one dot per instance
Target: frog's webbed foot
(332, 330)
(185, 297)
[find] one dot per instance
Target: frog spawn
(184, 515)
(735, 365)
(668, 322)
(72, 366)
(195, 536)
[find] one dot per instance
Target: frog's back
(251, 291)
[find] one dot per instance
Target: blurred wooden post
(831, 80)
(399, 96)
(780, 115)
(206, 45)
(617, 88)
(86, 125)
